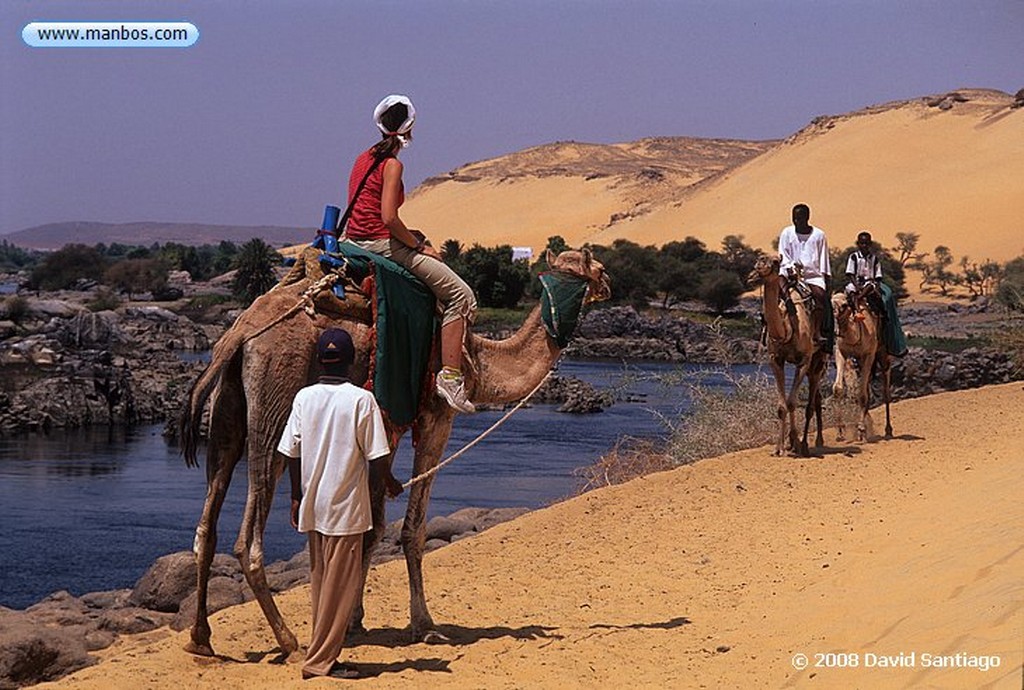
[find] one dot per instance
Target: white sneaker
(454, 393)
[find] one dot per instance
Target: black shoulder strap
(348, 211)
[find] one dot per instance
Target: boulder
(31, 653)
(444, 528)
(60, 608)
(223, 592)
(132, 620)
(498, 516)
(49, 308)
(167, 582)
(112, 599)
(434, 544)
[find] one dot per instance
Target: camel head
(764, 266)
(583, 265)
(840, 307)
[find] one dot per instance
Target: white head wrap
(389, 101)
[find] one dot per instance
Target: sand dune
(712, 575)
(955, 176)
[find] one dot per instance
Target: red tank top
(365, 222)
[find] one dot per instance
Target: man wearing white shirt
(334, 431)
(804, 248)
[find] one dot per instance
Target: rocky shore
(55, 636)
(65, 366)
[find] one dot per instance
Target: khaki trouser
(452, 291)
(335, 577)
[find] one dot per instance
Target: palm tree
(255, 270)
(451, 250)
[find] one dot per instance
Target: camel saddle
(401, 310)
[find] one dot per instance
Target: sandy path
(713, 575)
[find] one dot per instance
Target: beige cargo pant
(456, 297)
(335, 577)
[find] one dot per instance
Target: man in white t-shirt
(335, 429)
(803, 248)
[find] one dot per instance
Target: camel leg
(839, 394)
(808, 414)
(885, 365)
(864, 396)
(780, 409)
(414, 533)
(813, 404)
(379, 470)
(205, 546)
(413, 541)
(794, 441)
(227, 415)
(264, 471)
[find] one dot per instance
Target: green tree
(254, 270)
(906, 245)
(556, 244)
(496, 279)
(980, 280)
(677, 280)
(225, 257)
(689, 250)
(720, 290)
(738, 257)
(14, 258)
(451, 250)
(60, 270)
(632, 269)
(936, 272)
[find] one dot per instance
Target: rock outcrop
(624, 333)
(70, 367)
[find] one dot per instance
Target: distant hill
(949, 167)
(56, 235)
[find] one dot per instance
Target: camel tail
(192, 416)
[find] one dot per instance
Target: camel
(263, 360)
(860, 338)
(791, 340)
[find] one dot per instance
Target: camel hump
(308, 269)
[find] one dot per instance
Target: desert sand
(954, 176)
(712, 575)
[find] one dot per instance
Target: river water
(90, 509)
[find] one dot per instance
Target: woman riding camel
(374, 225)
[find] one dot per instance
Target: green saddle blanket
(892, 332)
(406, 321)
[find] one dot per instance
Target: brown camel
(791, 340)
(860, 338)
(255, 371)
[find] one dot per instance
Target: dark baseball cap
(335, 347)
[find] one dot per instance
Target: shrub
(105, 300)
(16, 308)
(1010, 292)
(137, 275)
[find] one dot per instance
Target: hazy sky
(258, 122)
